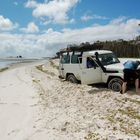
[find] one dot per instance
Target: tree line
(122, 48)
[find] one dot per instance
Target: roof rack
(68, 50)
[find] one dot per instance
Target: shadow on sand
(97, 88)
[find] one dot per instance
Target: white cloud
(119, 20)
(86, 18)
(31, 28)
(99, 17)
(46, 22)
(89, 17)
(31, 4)
(16, 3)
(51, 41)
(49, 31)
(55, 10)
(72, 20)
(6, 24)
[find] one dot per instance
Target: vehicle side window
(91, 63)
(75, 59)
(65, 59)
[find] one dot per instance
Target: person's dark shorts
(130, 75)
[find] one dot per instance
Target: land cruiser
(106, 68)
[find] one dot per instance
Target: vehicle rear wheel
(71, 78)
(115, 84)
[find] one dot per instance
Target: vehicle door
(91, 75)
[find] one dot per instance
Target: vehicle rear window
(65, 59)
(76, 59)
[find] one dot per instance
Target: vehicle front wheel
(115, 84)
(71, 78)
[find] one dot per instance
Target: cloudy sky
(39, 28)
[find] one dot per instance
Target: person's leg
(125, 80)
(137, 85)
(136, 77)
(124, 87)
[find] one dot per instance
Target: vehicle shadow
(98, 88)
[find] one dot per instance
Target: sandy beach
(36, 105)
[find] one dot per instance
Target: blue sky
(41, 27)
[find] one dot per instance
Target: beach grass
(3, 69)
(54, 65)
(39, 67)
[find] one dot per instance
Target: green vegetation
(130, 112)
(92, 136)
(132, 100)
(3, 69)
(122, 48)
(124, 100)
(125, 125)
(39, 67)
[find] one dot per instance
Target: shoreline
(19, 63)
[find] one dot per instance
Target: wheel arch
(69, 74)
(111, 77)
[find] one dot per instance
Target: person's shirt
(131, 65)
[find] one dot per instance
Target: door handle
(62, 68)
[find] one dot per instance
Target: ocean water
(6, 63)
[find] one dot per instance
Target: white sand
(36, 105)
(18, 100)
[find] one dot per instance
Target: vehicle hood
(117, 67)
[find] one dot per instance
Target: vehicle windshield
(108, 59)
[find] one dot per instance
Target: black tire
(115, 84)
(71, 78)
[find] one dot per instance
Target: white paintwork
(118, 66)
(91, 75)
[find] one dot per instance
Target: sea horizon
(6, 62)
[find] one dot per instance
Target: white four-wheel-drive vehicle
(106, 68)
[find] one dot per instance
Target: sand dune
(36, 105)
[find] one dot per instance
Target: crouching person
(130, 72)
